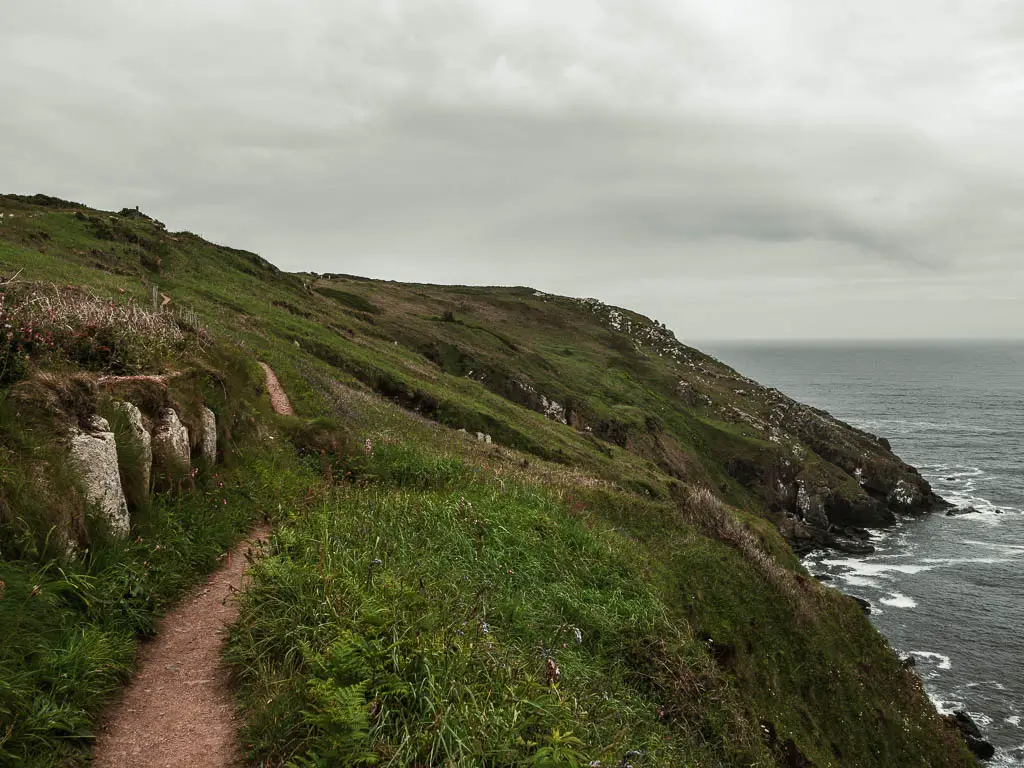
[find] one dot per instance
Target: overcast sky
(754, 168)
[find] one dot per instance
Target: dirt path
(180, 710)
(278, 398)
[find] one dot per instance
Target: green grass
(412, 621)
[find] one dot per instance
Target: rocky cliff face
(825, 479)
(822, 481)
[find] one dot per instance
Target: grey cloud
(736, 166)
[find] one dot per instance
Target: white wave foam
(858, 581)
(1009, 758)
(940, 472)
(981, 719)
(1010, 549)
(945, 706)
(994, 683)
(899, 600)
(1014, 721)
(944, 661)
(966, 560)
(882, 570)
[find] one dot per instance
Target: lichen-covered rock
(170, 447)
(208, 443)
(94, 455)
(905, 497)
(135, 450)
(553, 410)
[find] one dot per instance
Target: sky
(733, 168)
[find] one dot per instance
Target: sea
(948, 590)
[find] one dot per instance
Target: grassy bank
(432, 612)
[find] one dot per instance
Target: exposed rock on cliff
(208, 444)
(94, 455)
(971, 733)
(135, 453)
(170, 447)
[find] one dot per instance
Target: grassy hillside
(514, 528)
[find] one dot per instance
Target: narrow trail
(278, 398)
(179, 710)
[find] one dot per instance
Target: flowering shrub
(20, 337)
(93, 332)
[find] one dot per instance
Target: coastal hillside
(508, 527)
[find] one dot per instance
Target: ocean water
(949, 590)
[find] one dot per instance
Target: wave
(944, 662)
(858, 581)
(867, 568)
(1010, 549)
(945, 706)
(898, 600)
(952, 472)
(967, 560)
(985, 510)
(1013, 758)
(907, 428)
(958, 484)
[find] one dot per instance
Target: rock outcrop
(170, 447)
(135, 450)
(94, 455)
(971, 734)
(208, 442)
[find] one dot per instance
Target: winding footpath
(179, 710)
(278, 398)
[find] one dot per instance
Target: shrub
(98, 334)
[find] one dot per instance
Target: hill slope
(505, 515)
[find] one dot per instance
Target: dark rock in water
(885, 444)
(850, 546)
(951, 478)
(957, 511)
(857, 533)
(981, 748)
(969, 729)
(861, 512)
(864, 604)
(822, 577)
(908, 661)
(965, 724)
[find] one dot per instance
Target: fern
(340, 715)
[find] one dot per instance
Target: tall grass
(449, 621)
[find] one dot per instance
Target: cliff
(517, 525)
